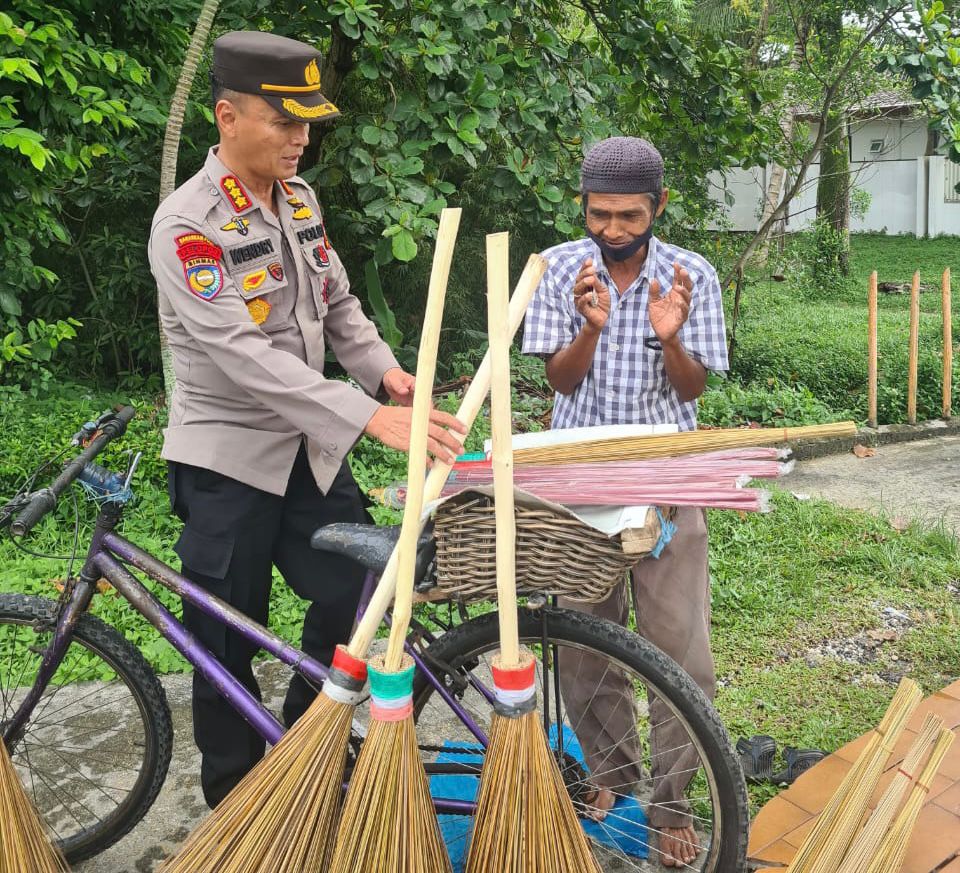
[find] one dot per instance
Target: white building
(911, 188)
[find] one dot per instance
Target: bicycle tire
(659, 672)
(125, 661)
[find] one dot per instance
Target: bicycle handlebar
(43, 501)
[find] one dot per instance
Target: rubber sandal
(798, 761)
(756, 757)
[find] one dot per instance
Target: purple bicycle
(88, 727)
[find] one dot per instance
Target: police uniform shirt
(249, 302)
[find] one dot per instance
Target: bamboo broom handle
(914, 349)
(947, 346)
(469, 408)
(872, 351)
(417, 461)
(498, 279)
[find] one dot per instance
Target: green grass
(812, 572)
(796, 333)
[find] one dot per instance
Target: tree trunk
(171, 144)
(778, 172)
(833, 186)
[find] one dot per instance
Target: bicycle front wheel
(633, 721)
(96, 748)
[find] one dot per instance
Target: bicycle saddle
(371, 546)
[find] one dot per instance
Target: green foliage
(727, 403)
(829, 264)
(931, 63)
(63, 109)
(25, 354)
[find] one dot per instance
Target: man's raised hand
(668, 313)
(586, 283)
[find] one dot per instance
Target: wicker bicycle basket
(556, 553)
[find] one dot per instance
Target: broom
(525, 820)
(388, 820)
(671, 444)
(282, 816)
(893, 849)
(23, 841)
(830, 837)
(864, 847)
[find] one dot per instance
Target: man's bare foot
(599, 803)
(679, 847)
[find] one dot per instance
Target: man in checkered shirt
(629, 326)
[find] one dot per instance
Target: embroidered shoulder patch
(240, 225)
(252, 281)
(235, 193)
(201, 265)
(259, 310)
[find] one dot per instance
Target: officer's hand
(391, 425)
(399, 385)
(584, 286)
(670, 312)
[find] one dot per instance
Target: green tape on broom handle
(469, 407)
(390, 686)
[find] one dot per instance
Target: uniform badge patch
(235, 193)
(275, 270)
(320, 255)
(252, 281)
(201, 265)
(325, 291)
(240, 225)
(259, 310)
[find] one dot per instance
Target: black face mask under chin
(621, 253)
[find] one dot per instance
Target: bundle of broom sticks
(388, 820)
(675, 444)
(24, 845)
(841, 841)
(525, 821)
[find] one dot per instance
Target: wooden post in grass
(947, 347)
(872, 351)
(914, 349)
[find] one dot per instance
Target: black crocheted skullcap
(622, 165)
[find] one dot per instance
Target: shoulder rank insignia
(252, 281)
(259, 310)
(276, 270)
(235, 193)
(240, 225)
(201, 265)
(300, 209)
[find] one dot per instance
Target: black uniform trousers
(233, 535)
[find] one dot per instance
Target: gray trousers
(671, 599)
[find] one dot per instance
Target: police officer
(251, 295)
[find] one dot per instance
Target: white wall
(943, 217)
(907, 190)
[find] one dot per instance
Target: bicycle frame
(107, 554)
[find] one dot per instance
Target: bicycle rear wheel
(714, 795)
(95, 751)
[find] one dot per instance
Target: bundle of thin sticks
(525, 821)
(24, 845)
(831, 837)
(711, 480)
(673, 444)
